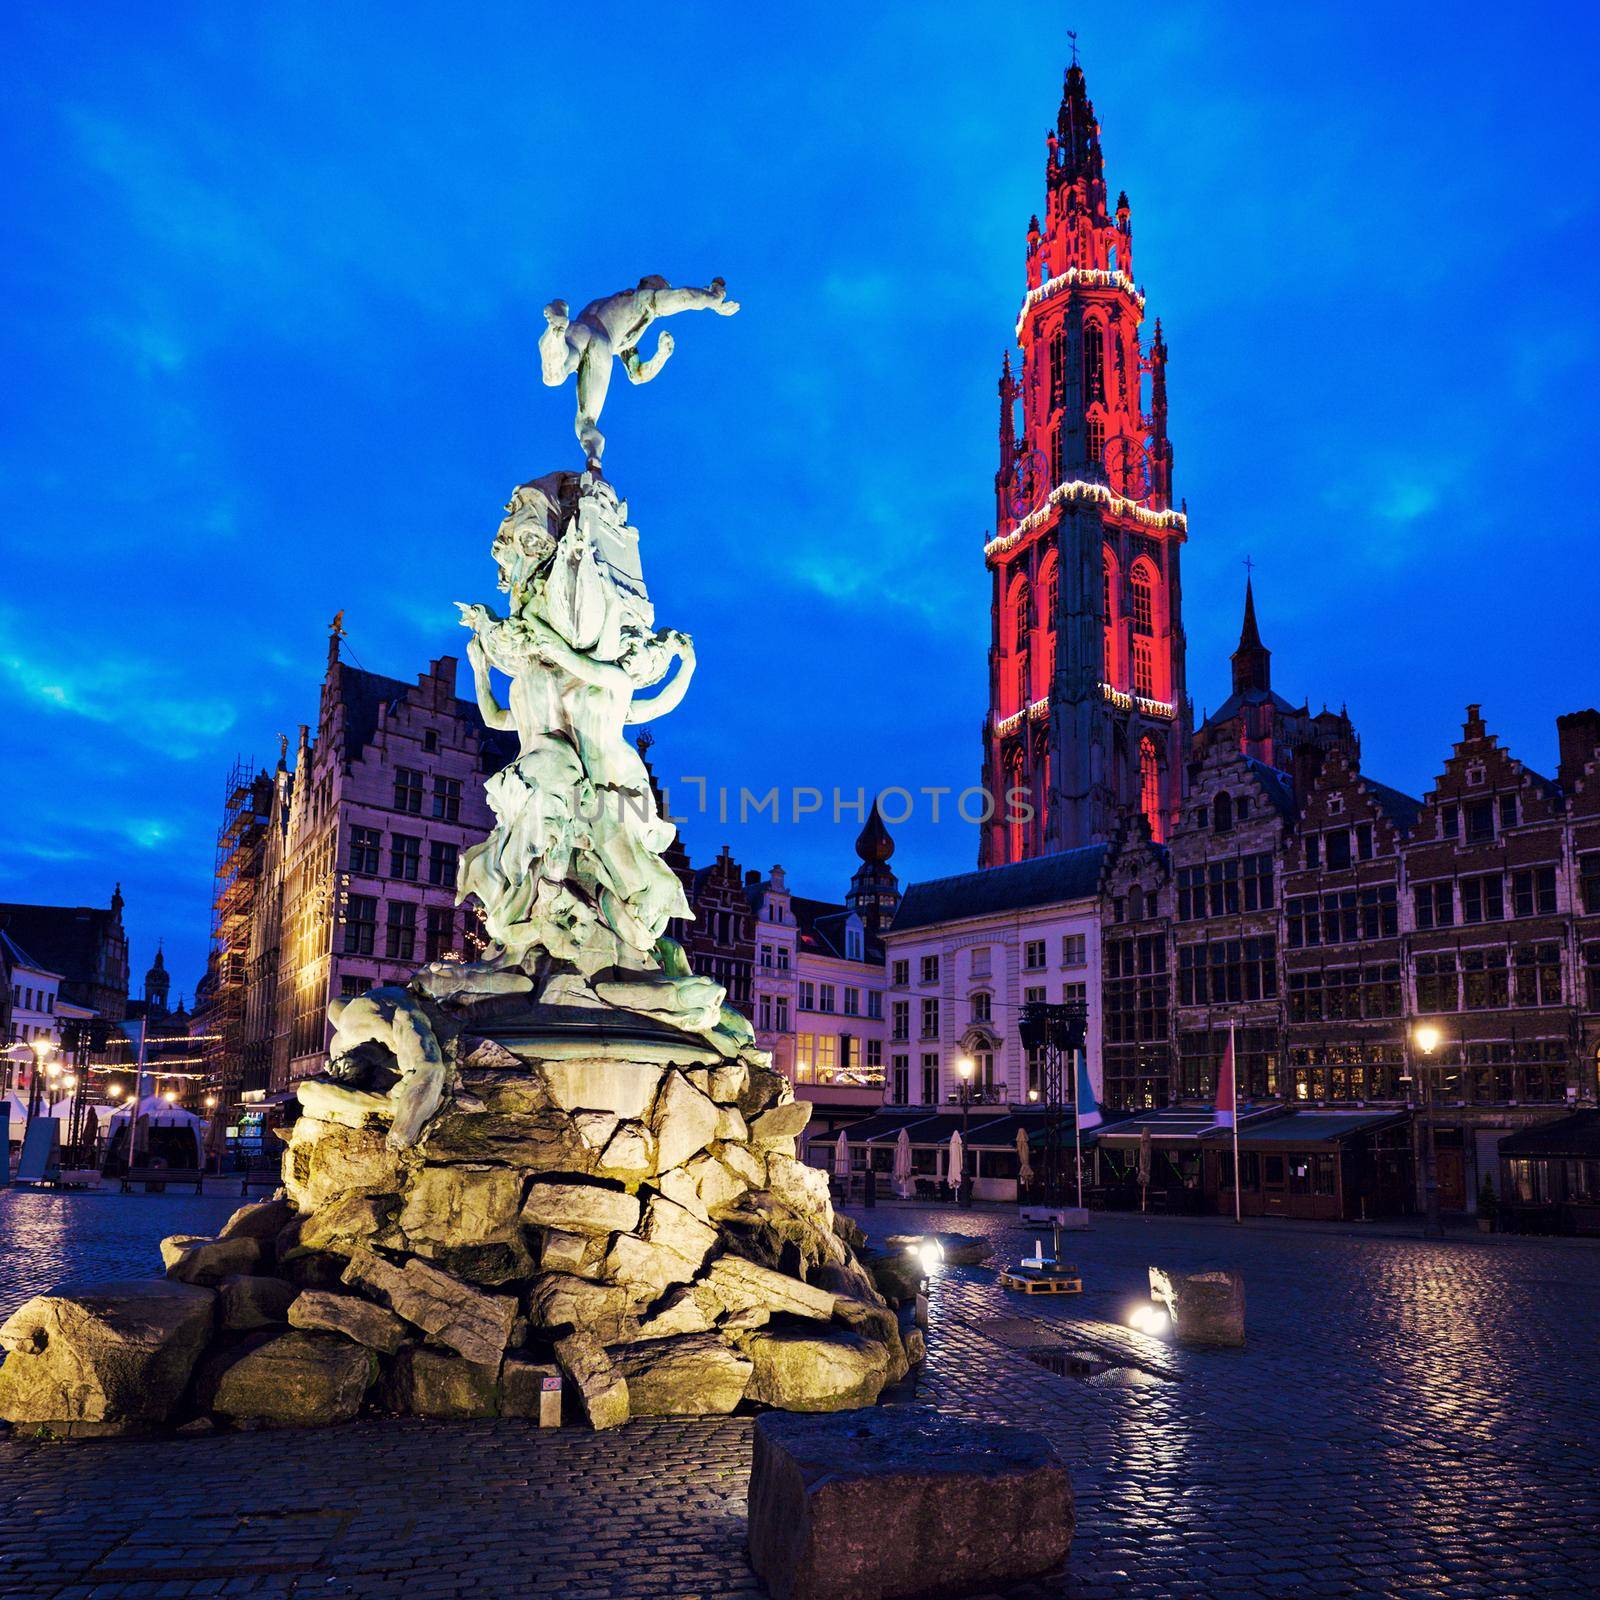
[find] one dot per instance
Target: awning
(1575, 1137)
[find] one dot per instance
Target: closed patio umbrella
(1024, 1160)
(902, 1165)
(841, 1158)
(953, 1170)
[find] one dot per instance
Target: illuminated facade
(1087, 708)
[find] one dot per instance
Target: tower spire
(1077, 132)
(1252, 661)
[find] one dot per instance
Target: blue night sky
(273, 283)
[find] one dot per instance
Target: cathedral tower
(1087, 711)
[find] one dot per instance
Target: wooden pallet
(1032, 1280)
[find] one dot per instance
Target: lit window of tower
(1084, 492)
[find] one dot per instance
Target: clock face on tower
(1027, 482)
(1128, 466)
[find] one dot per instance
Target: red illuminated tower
(1087, 710)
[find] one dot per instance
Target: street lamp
(41, 1047)
(964, 1070)
(1426, 1038)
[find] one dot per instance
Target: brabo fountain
(565, 1163)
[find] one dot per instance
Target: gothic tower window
(1150, 787)
(1045, 668)
(1094, 363)
(1021, 616)
(1112, 674)
(1141, 600)
(1144, 679)
(1095, 445)
(1058, 369)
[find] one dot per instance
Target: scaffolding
(246, 814)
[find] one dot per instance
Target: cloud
(149, 702)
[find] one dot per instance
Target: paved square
(1407, 1419)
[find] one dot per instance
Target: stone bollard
(1207, 1308)
(900, 1504)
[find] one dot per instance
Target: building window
(874, 1057)
(805, 1050)
(900, 1019)
(900, 1079)
(351, 985)
(1480, 820)
(930, 969)
(408, 790)
(783, 957)
(825, 997)
(808, 997)
(1438, 988)
(440, 938)
(1033, 955)
(930, 1019)
(1533, 892)
(1222, 813)
(1094, 363)
(1484, 981)
(980, 961)
(1508, 811)
(1073, 946)
(930, 1080)
(1538, 975)
(1449, 822)
(447, 799)
(442, 862)
(405, 856)
(783, 1013)
(1141, 601)
(874, 1004)
(766, 955)
(1336, 848)
(852, 1002)
(364, 846)
(764, 1012)
(402, 930)
(1589, 870)
(980, 1006)
(361, 924)
(1364, 840)
(1435, 904)
(900, 971)
(1483, 898)
(430, 742)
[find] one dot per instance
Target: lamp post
(41, 1048)
(964, 1070)
(1426, 1037)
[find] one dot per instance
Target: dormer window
(1335, 804)
(1222, 812)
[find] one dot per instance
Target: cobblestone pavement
(1408, 1419)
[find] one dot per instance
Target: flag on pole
(1226, 1087)
(1088, 1107)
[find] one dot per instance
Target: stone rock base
(1207, 1308)
(640, 1226)
(900, 1503)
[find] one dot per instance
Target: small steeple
(157, 983)
(335, 634)
(1077, 133)
(874, 890)
(1252, 661)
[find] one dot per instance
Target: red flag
(1226, 1086)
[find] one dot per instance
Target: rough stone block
(565, 1252)
(1207, 1308)
(343, 1225)
(685, 1121)
(245, 1305)
(461, 1205)
(741, 1285)
(289, 1380)
(263, 1220)
(627, 1089)
(682, 1311)
(797, 1369)
(785, 1121)
(692, 1375)
(429, 1383)
(474, 1324)
(677, 1229)
(600, 1389)
(629, 1155)
(580, 1208)
(319, 1311)
(102, 1357)
(558, 1303)
(326, 1160)
(212, 1260)
(903, 1503)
